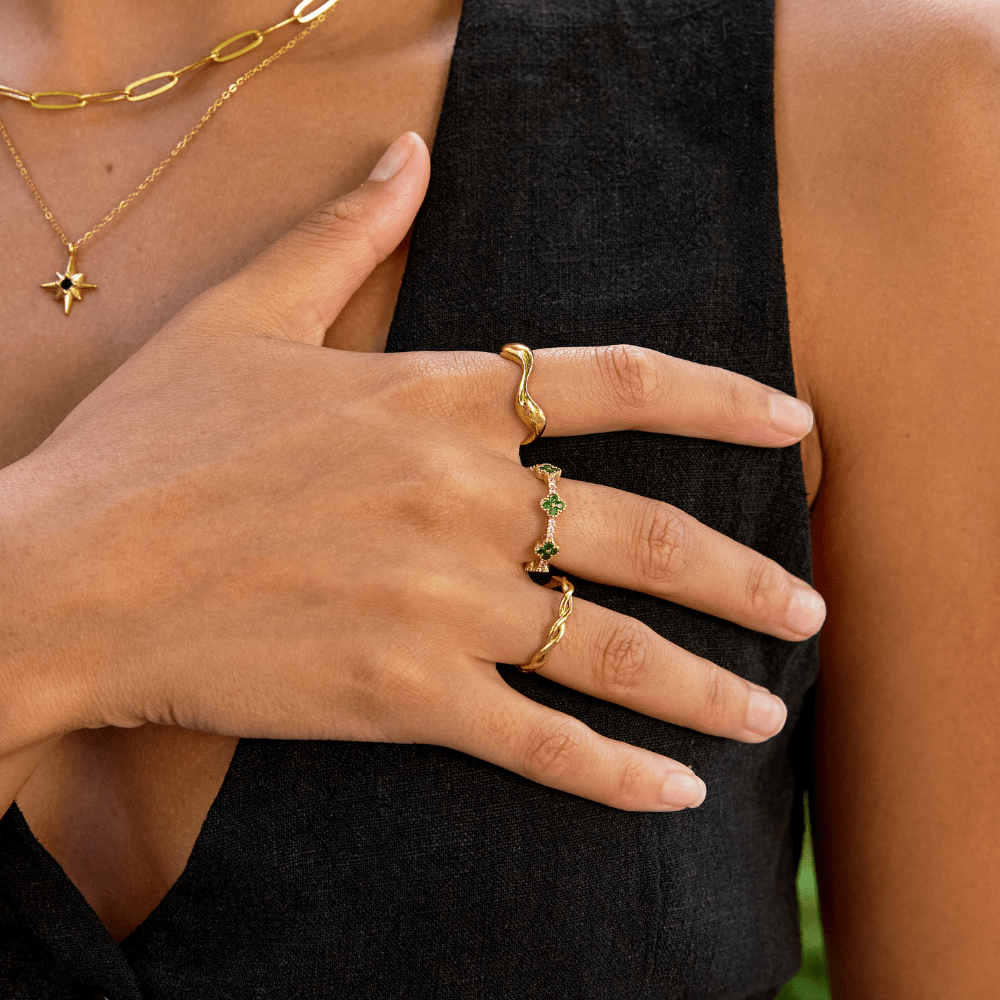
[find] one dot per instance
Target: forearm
(37, 705)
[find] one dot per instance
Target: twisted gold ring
(558, 629)
(527, 409)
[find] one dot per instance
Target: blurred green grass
(811, 982)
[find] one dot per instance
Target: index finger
(590, 390)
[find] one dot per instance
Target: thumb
(296, 288)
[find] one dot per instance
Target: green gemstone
(553, 505)
(549, 470)
(546, 550)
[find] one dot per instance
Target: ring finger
(619, 659)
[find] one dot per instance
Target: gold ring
(552, 505)
(557, 630)
(527, 409)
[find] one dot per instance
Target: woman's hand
(243, 532)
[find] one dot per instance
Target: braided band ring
(558, 628)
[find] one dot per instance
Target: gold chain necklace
(69, 285)
(162, 82)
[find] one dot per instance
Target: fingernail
(766, 714)
(806, 612)
(682, 790)
(790, 415)
(393, 159)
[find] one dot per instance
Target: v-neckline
(238, 761)
(36, 862)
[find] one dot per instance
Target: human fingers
(621, 387)
(557, 750)
(624, 540)
(296, 288)
(619, 659)
(590, 390)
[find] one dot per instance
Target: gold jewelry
(553, 505)
(168, 79)
(69, 285)
(527, 409)
(558, 629)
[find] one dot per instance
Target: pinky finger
(559, 751)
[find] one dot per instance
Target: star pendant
(69, 286)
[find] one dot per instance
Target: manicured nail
(766, 714)
(806, 612)
(682, 790)
(790, 415)
(393, 159)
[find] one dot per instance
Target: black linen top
(604, 172)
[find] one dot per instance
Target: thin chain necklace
(160, 83)
(70, 285)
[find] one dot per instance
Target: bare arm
(889, 156)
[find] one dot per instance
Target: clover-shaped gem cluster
(546, 550)
(553, 505)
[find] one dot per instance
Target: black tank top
(604, 172)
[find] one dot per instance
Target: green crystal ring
(552, 506)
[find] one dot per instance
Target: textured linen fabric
(604, 172)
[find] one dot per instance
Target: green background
(811, 982)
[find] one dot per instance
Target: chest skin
(120, 809)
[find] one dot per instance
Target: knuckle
(732, 406)
(633, 781)
(722, 700)
(553, 752)
(461, 383)
(381, 694)
(623, 663)
(766, 585)
(629, 373)
(740, 402)
(343, 226)
(663, 548)
(426, 497)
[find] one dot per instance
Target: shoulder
(899, 97)
(900, 45)
(888, 137)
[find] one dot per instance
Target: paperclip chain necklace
(70, 285)
(133, 91)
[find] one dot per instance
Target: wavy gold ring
(558, 628)
(527, 409)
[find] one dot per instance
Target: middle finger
(617, 538)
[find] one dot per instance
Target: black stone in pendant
(69, 285)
